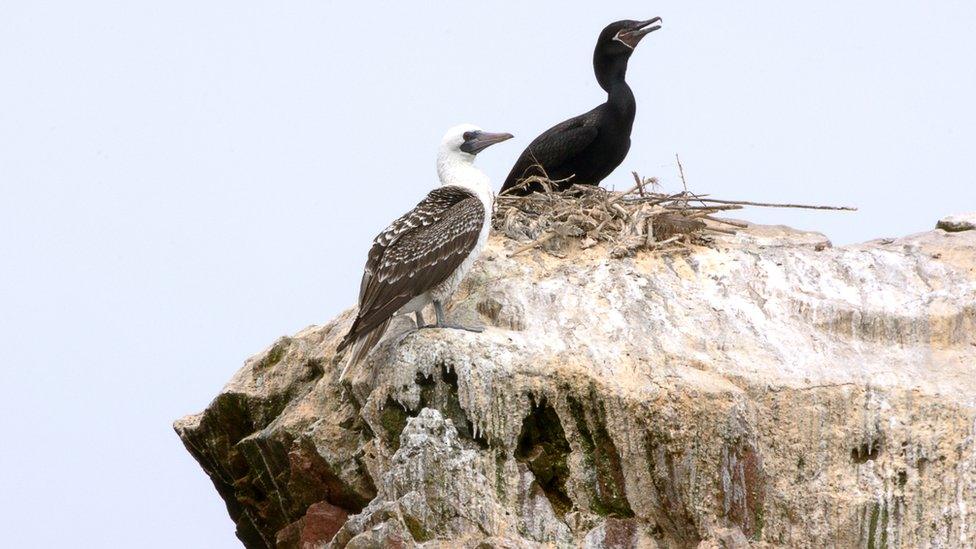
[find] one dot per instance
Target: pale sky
(183, 182)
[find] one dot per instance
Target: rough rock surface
(958, 222)
(771, 390)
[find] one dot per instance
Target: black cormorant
(590, 146)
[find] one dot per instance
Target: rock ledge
(769, 391)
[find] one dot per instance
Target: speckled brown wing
(415, 253)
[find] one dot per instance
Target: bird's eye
(468, 136)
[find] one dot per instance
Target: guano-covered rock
(769, 390)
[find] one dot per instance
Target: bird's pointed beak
(632, 36)
(479, 141)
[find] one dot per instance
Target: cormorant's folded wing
(553, 148)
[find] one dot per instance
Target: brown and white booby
(421, 258)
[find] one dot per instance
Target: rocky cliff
(768, 390)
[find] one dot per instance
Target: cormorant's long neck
(611, 73)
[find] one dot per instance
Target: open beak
(632, 36)
(480, 141)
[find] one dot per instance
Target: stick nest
(628, 222)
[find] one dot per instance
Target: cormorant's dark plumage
(591, 145)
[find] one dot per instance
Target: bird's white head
(455, 157)
(467, 140)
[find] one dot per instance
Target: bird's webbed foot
(449, 326)
(475, 329)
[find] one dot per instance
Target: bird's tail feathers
(361, 348)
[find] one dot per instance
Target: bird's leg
(439, 311)
(420, 319)
(439, 315)
(442, 322)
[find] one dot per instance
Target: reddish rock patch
(317, 527)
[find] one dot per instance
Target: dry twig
(629, 221)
